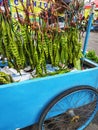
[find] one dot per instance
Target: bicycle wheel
(73, 109)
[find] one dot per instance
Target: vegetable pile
(91, 54)
(5, 78)
(29, 43)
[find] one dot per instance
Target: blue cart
(64, 101)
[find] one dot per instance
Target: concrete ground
(92, 41)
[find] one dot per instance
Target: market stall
(62, 84)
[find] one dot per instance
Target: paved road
(92, 42)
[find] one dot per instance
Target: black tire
(87, 109)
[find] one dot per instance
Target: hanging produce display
(37, 43)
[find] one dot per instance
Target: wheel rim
(74, 111)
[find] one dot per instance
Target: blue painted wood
(22, 103)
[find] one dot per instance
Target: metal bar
(88, 30)
(87, 34)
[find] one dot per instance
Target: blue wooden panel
(22, 103)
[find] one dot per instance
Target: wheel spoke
(71, 111)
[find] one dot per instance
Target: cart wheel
(73, 109)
